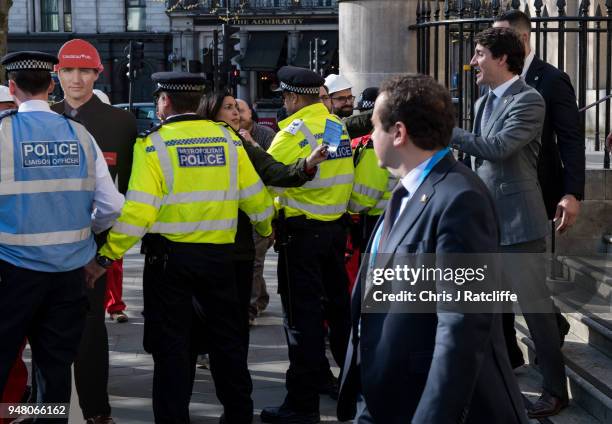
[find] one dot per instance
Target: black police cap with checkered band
(178, 82)
(299, 80)
(28, 61)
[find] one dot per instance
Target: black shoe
(329, 386)
(285, 415)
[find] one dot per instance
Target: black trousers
(91, 364)
(244, 288)
(49, 309)
(204, 273)
(312, 271)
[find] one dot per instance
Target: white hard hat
(102, 96)
(335, 83)
(5, 95)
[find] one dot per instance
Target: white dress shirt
(527, 63)
(107, 200)
(501, 89)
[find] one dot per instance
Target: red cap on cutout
(78, 53)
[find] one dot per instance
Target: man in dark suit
(426, 367)
(561, 162)
(506, 144)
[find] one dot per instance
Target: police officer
(52, 173)
(189, 178)
(373, 185)
(312, 278)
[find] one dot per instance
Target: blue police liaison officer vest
(47, 184)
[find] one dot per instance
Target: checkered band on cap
(366, 104)
(299, 90)
(180, 87)
(29, 65)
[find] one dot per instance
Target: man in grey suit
(506, 144)
(439, 366)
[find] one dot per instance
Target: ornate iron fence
(581, 45)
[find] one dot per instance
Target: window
(52, 15)
(67, 15)
(49, 15)
(135, 15)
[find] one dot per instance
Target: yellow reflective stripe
(330, 182)
(382, 204)
(198, 196)
(233, 153)
(45, 239)
(313, 209)
(262, 216)
(47, 186)
(143, 197)
(251, 190)
(368, 191)
(164, 159)
(6, 155)
(190, 227)
(355, 206)
(129, 229)
(312, 141)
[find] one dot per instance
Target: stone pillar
(375, 42)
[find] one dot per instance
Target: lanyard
(432, 162)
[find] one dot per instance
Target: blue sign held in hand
(332, 135)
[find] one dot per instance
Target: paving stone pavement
(131, 371)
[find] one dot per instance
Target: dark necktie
(488, 109)
(393, 209)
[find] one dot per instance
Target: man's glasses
(343, 99)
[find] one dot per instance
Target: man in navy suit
(426, 367)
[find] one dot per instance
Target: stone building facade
(108, 24)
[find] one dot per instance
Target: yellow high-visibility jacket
(325, 198)
(373, 185)
(189, 178)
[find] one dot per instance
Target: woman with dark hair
(221, 107)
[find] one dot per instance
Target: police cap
(367, 98)
(299, 80)
(178, 82)
(28, 61)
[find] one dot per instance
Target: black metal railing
(580, 45)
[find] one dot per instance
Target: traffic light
(231, 44)
(320, 55)
(138, 55)
(207, 61)
(135, 56)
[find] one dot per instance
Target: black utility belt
(156, 244)
(302, 221)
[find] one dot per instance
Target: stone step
(530, 383)
(589, 315)
(593, 273)
(589, 372)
